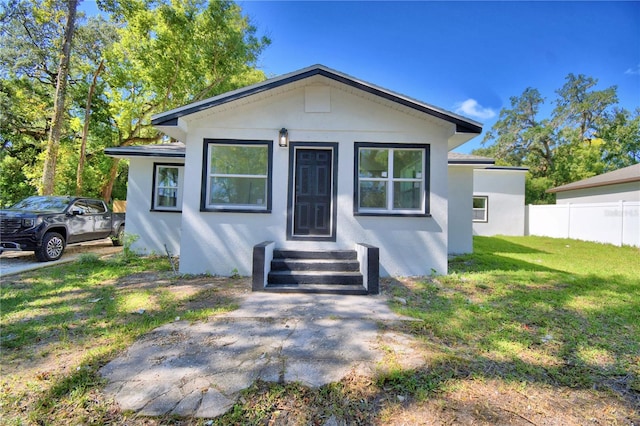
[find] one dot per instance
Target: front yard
(525, 331)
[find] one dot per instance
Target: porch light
(283, 139)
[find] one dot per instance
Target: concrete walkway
(198, 369)
(17, 262)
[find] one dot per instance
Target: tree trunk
(113, 173)
(51, 158)
(85, 131)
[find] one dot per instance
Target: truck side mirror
(77, 211)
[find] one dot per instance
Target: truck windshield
(48, 204)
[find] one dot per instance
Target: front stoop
(327, 272)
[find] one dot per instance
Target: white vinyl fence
(615, 223)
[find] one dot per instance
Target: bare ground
(460, 398)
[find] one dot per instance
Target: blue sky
(465, 57)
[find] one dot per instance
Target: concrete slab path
(199, 369)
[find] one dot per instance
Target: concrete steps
(329, 272)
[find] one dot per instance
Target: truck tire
(118, 239)
(52, 247)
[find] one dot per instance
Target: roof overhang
(456, 159)
(168, 150)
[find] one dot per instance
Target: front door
(313, 190)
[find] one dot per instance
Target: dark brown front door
(313, 192)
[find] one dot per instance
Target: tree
(155, 55)
(621, 139)
(172, 53)
(521, 138)
(48, 177)
(583, 136)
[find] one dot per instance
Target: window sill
(391, 214)
(232, 210)
(166, 210)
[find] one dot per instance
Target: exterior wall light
(283, 139)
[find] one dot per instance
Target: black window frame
(486, 209)
(155, 208)
(426, 179)
(207, 142)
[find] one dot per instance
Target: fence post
(621, 222)
(568, 220)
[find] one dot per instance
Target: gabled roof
(170, 118)
(624, 175)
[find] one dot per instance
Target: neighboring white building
(312, 160)
(498, 201)
(603, 208)
(618, 185)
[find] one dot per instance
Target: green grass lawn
(62, 323)
(521, 315)
(535, 310)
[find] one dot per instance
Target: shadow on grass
(515, 320)
(41, 317)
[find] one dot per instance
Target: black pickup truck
(45, 225)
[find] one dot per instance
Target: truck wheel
(52, 247)
(118, 240)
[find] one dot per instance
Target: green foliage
(158, 55)
(585, 135)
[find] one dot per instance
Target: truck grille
(9, 225)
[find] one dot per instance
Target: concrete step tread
(320, 273)
(311, 254)
(317, 288)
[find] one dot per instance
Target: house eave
(572, 187)
(172, 151)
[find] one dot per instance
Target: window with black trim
(480, 208)
(168, 184)
(391, 179)
(237, 175)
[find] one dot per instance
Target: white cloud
(472, 108)
(632, 71)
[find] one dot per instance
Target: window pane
(374, 163)
(168, 176)
(238, 191)
(479, 203)
(239, 159)
(373, 194)
(479, 215)
(167, 197)
(407, 195)
(407, 164)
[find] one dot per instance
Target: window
(89, 207)
(167, 187)
(480, 209)
(237, 176)
(391, 179)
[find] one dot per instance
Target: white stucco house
(498, 201)
(299, 173)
